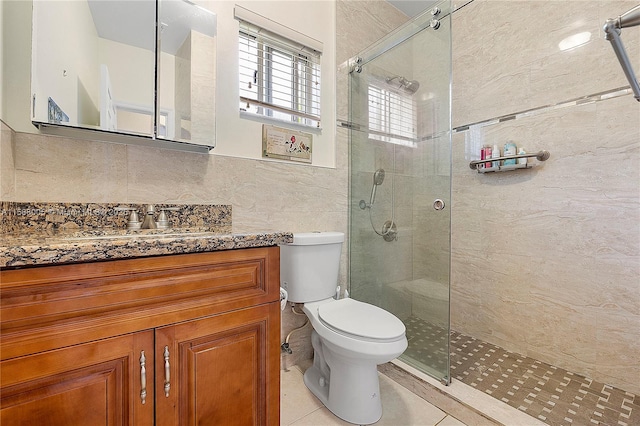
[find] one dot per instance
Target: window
(279, 77)
(392, 116)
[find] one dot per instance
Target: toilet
(350, 338)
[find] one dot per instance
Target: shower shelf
(506, 168)
(540, 156)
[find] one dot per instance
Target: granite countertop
(45, 233)
(48, 248)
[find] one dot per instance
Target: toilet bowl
(347, 351)
(350, 338)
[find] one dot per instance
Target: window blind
(279, 77)
(392, 116)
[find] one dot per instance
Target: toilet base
(361, 410)
(352, 392)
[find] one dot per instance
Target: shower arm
(612, 29)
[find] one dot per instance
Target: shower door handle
(438, 204)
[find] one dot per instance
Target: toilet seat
(361, 320)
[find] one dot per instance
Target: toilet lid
(361, 319)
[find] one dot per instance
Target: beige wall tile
(7, 163)
(49, 168)
(540, 257)
(613, 364)
(159, 175)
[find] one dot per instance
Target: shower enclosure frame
(435, 136)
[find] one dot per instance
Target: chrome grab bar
(540, 156)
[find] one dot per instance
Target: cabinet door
(220, 370)
(97, 383)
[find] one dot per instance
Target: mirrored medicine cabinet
(110, 68)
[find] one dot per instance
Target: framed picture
(286, 144)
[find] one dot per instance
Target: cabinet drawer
(53, 306)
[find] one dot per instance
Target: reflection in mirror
(93, 59)
(187, 72)
(94, 66)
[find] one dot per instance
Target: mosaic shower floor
(548, 393)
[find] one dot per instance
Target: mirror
(95, 66)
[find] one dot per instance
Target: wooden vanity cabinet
(218, 375)
(208, 325)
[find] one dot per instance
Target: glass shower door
(400, 183)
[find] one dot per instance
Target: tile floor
(298, 406)
(497, 387)
(551, 394)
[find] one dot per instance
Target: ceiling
(133, 22)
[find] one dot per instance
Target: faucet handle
(163, 220)
(134, 220)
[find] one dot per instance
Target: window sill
(284, 123)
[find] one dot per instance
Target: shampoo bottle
(495, 153)
(484, 155)
(488, 153)
(510, 149)
(522, 160)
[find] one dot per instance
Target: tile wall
(546, 262)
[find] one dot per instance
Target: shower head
(378, 178)
(409, 86)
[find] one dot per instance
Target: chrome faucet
(149, 222)
(163, 221)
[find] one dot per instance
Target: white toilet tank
(309, 266)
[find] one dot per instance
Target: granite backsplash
(20, 217)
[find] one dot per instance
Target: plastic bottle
(488, 152)
(510, 149)
(495, 153)
(483, 156)
(522, 160)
